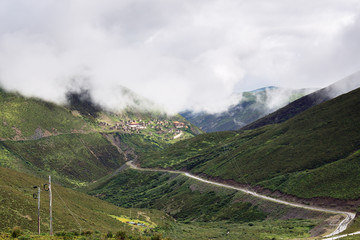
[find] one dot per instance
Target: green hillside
(338, 179)
(184, 199)
(87, 153)
(279, 156)
(70, 158)
(30, 118)
(79, 143)
(201, 206)
(72, 211)
(75, 213)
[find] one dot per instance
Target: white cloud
(179, 54)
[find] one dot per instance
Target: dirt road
(348, 216)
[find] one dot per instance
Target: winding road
(348, 216)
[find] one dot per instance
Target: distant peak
(264, 89)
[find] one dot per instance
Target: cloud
(179, 54)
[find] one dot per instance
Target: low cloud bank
(176, 54)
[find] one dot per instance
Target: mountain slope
(28, 118)
(72, 158)
(193, 202)
(322, 135)
(251, 106)
(343, 86)
(71, 210)
(78, 144)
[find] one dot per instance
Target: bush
(156, 237)
(26, 237)
(16, 232)
(109, 234)
(60, 234)
(68, 237)
(86, 233)
(120, 235)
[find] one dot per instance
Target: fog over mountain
(250, 107)
(177, 54)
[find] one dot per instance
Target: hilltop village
(169, 128)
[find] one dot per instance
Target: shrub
(68, 237)
(120, 235)
(60, 234)
(156, 237)
(109, 234)
(26, 237)
(16, 232)
(86, 233)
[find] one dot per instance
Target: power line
(37, 196)
(72, 214)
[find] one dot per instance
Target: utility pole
(50, 207)
(37, 196)
(47, 187)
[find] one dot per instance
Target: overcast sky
(180, 54)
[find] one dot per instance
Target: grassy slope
(322, 135)
(310, 183)
(40, 138)
(71, 210)
(203, 207)
(290, 110)
(20, 117)
(76, 211)
(140, 142)
(175, 196)
(179, 153)
(72, 158)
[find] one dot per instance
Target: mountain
(250, 107)
(314, 154)
(343, 86)
(78, 143)
(84, 146)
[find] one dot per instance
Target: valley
(166, 178)
(179, 120)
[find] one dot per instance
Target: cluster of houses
(136, 125)
(179, 124)
(160, 126)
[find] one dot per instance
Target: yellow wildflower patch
(142, 225)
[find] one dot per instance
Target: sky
(188, 54)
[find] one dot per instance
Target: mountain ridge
(345, 85)
(251, 106)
